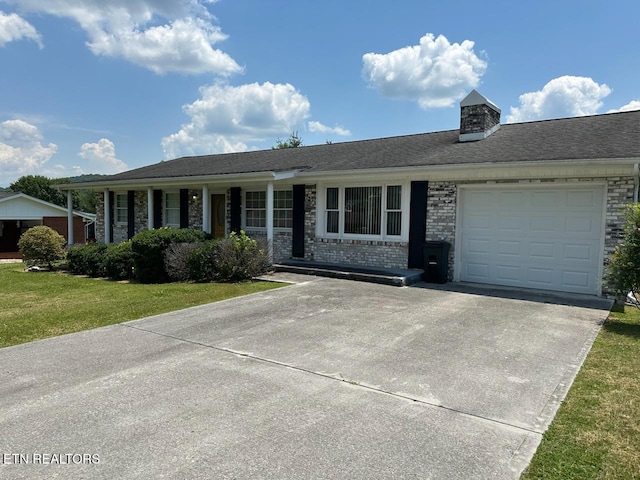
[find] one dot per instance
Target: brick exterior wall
(60, 224)
(441, 215)
(99, 217)
(478, 119)
(368, 253)
(310, 200)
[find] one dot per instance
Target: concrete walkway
(322, 379)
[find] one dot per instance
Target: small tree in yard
(41, 245)
(624, 270)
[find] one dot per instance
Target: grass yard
(36, 305)
(596, 433)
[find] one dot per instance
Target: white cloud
(434, 73)
(101, 157)
(565, 96)
(13, 27)
(317, 127)
(161, 35)
(632, 105)
(21, 150)
(226, 118)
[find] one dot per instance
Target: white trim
(270, 219)
(85, 215)
(164, 208)
(459, 232)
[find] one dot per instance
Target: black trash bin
(436, 261)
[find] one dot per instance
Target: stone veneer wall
(310, 199)
(441, 210)
(99, 217)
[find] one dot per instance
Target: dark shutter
(131, 214)
(111, 211)
(157, 208)
(417, 223)
(235, 223)
(297, 231)
(184, 208)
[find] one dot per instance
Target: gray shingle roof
(608, 136)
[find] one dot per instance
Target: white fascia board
(89, 216)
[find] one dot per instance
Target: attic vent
(479, 117)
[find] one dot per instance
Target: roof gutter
(187, 180)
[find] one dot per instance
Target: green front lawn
(596, 433)
(36, 305)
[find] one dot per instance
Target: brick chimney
(479, 117)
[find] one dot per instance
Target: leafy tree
(294, 141)
(41, 244)
(623, 273)
(41, 187)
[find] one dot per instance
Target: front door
(218, 215)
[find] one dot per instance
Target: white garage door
(546, 238)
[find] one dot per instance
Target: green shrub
(41, 245)
(201, 262)
(176, 261)
(234, 259)
(118, 261)
(623, 272)
(149, 248)
(88, 260)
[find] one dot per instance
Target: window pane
(363, 210)
(332, 198)
(283, 199)
(256, 200)
(282, 218)
(394, 197)
(393, 223)
(173, 200)
(173, 216)
(256, 218)
(121, 201)
(332, 221)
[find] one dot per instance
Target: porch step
(385, 276)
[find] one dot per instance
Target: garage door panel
(542, 250)
(549, 238)
(578, 252)
(581, 199)
(544, 199)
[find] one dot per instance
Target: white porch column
(206, 209)
(107, 217)
(69, 218)
(270, 218)
(150, 208)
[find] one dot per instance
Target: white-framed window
(121, 208)
(394, 210)
(172, 209)
(256, 209)
(332, 210)
(363, 211)
(283, 209)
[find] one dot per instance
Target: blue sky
(90, 86)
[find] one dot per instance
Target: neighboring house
(535, 204)
(19, 212)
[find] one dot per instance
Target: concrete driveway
(321, 379)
